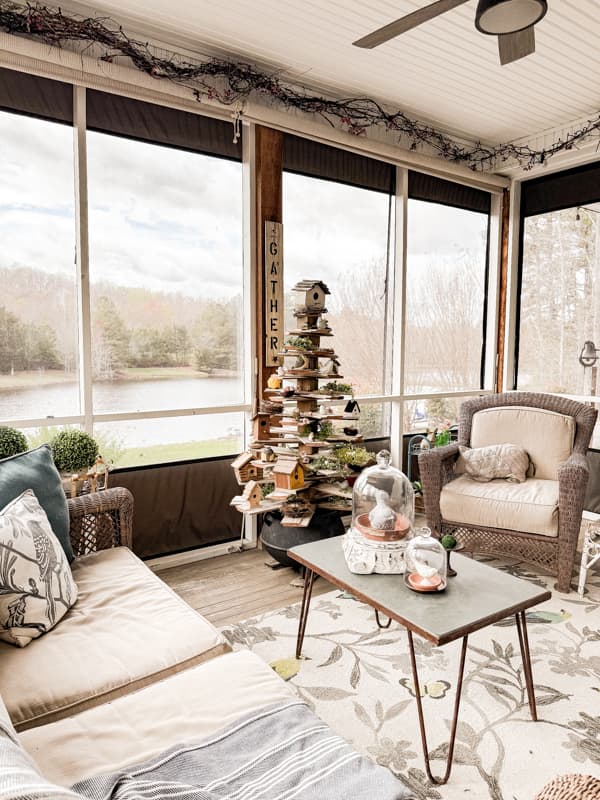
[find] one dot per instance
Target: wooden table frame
(521, 623)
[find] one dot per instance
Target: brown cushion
(508, 461)
(127, 629)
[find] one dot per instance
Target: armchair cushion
(529, 507)
(36, 584)
(506, 461)
(546, 435)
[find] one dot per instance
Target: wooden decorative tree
(301, 422)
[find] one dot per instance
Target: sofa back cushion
(546, 435)
(35, 470)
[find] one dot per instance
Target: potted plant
(12, 442)
(354, 456)
(73, 451)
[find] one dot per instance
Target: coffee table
(478, 596)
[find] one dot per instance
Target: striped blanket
(281, 752)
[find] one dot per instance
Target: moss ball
(448, 541)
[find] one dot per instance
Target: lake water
(140, 395)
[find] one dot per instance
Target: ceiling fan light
(508, 16)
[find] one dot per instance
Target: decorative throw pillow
(507, 461)
(36, 585)
(35, 470)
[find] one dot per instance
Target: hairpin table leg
(461, 669)
(526, 656)
(309, 578)
(380, 624)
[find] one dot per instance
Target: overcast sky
(169, 220)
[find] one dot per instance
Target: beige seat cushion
(529, 507)
(182, 708)
(547, 436)
(126, 629)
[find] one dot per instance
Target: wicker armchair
(555, 553)
(101, 520)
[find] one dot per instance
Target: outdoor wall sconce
(589, 354)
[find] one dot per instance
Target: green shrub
(73, 450)
(12, 442)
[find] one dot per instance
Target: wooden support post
(269, 191)
(502, 292)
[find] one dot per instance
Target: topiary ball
(73, 450)
(12, 442)
(448, 541)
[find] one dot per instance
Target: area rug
(358, 679)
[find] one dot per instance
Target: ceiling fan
(512, 21)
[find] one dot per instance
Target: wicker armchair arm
(101, 520)
(575, 468)
(572, 482)
(435, 468)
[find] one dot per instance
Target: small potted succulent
(12, 442)
(73, 451)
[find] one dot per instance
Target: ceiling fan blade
(403, 24)
(513, 46)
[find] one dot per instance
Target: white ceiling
(443, 72)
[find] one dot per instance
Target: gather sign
(273, 292)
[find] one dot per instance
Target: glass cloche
(382, 517)
(426, 562)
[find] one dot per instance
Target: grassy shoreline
(34, 379)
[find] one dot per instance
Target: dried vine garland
(231, 83)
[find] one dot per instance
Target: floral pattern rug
(358, 679)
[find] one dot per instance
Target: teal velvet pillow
(35, 470)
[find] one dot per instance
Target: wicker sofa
(538, 520)
(131, 673)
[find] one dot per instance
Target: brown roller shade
(136, 119)
(448, 193)
(38, 97)
(307, 157)
(573, 187)
(181, 506)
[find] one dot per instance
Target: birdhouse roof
(286, 466)
(242, 460)
(250, 487)
(307, 285)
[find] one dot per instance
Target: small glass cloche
(426, 562)
(383, 502)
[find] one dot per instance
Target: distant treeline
(130, 327)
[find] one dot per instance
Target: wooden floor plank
(236, 586)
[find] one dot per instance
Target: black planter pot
(277, 539)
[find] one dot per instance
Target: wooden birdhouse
(311, 295)
(243, 469)
(252, 494)
(288, 474)
(262, 427)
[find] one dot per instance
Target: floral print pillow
(36, 585)
(507, 461)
